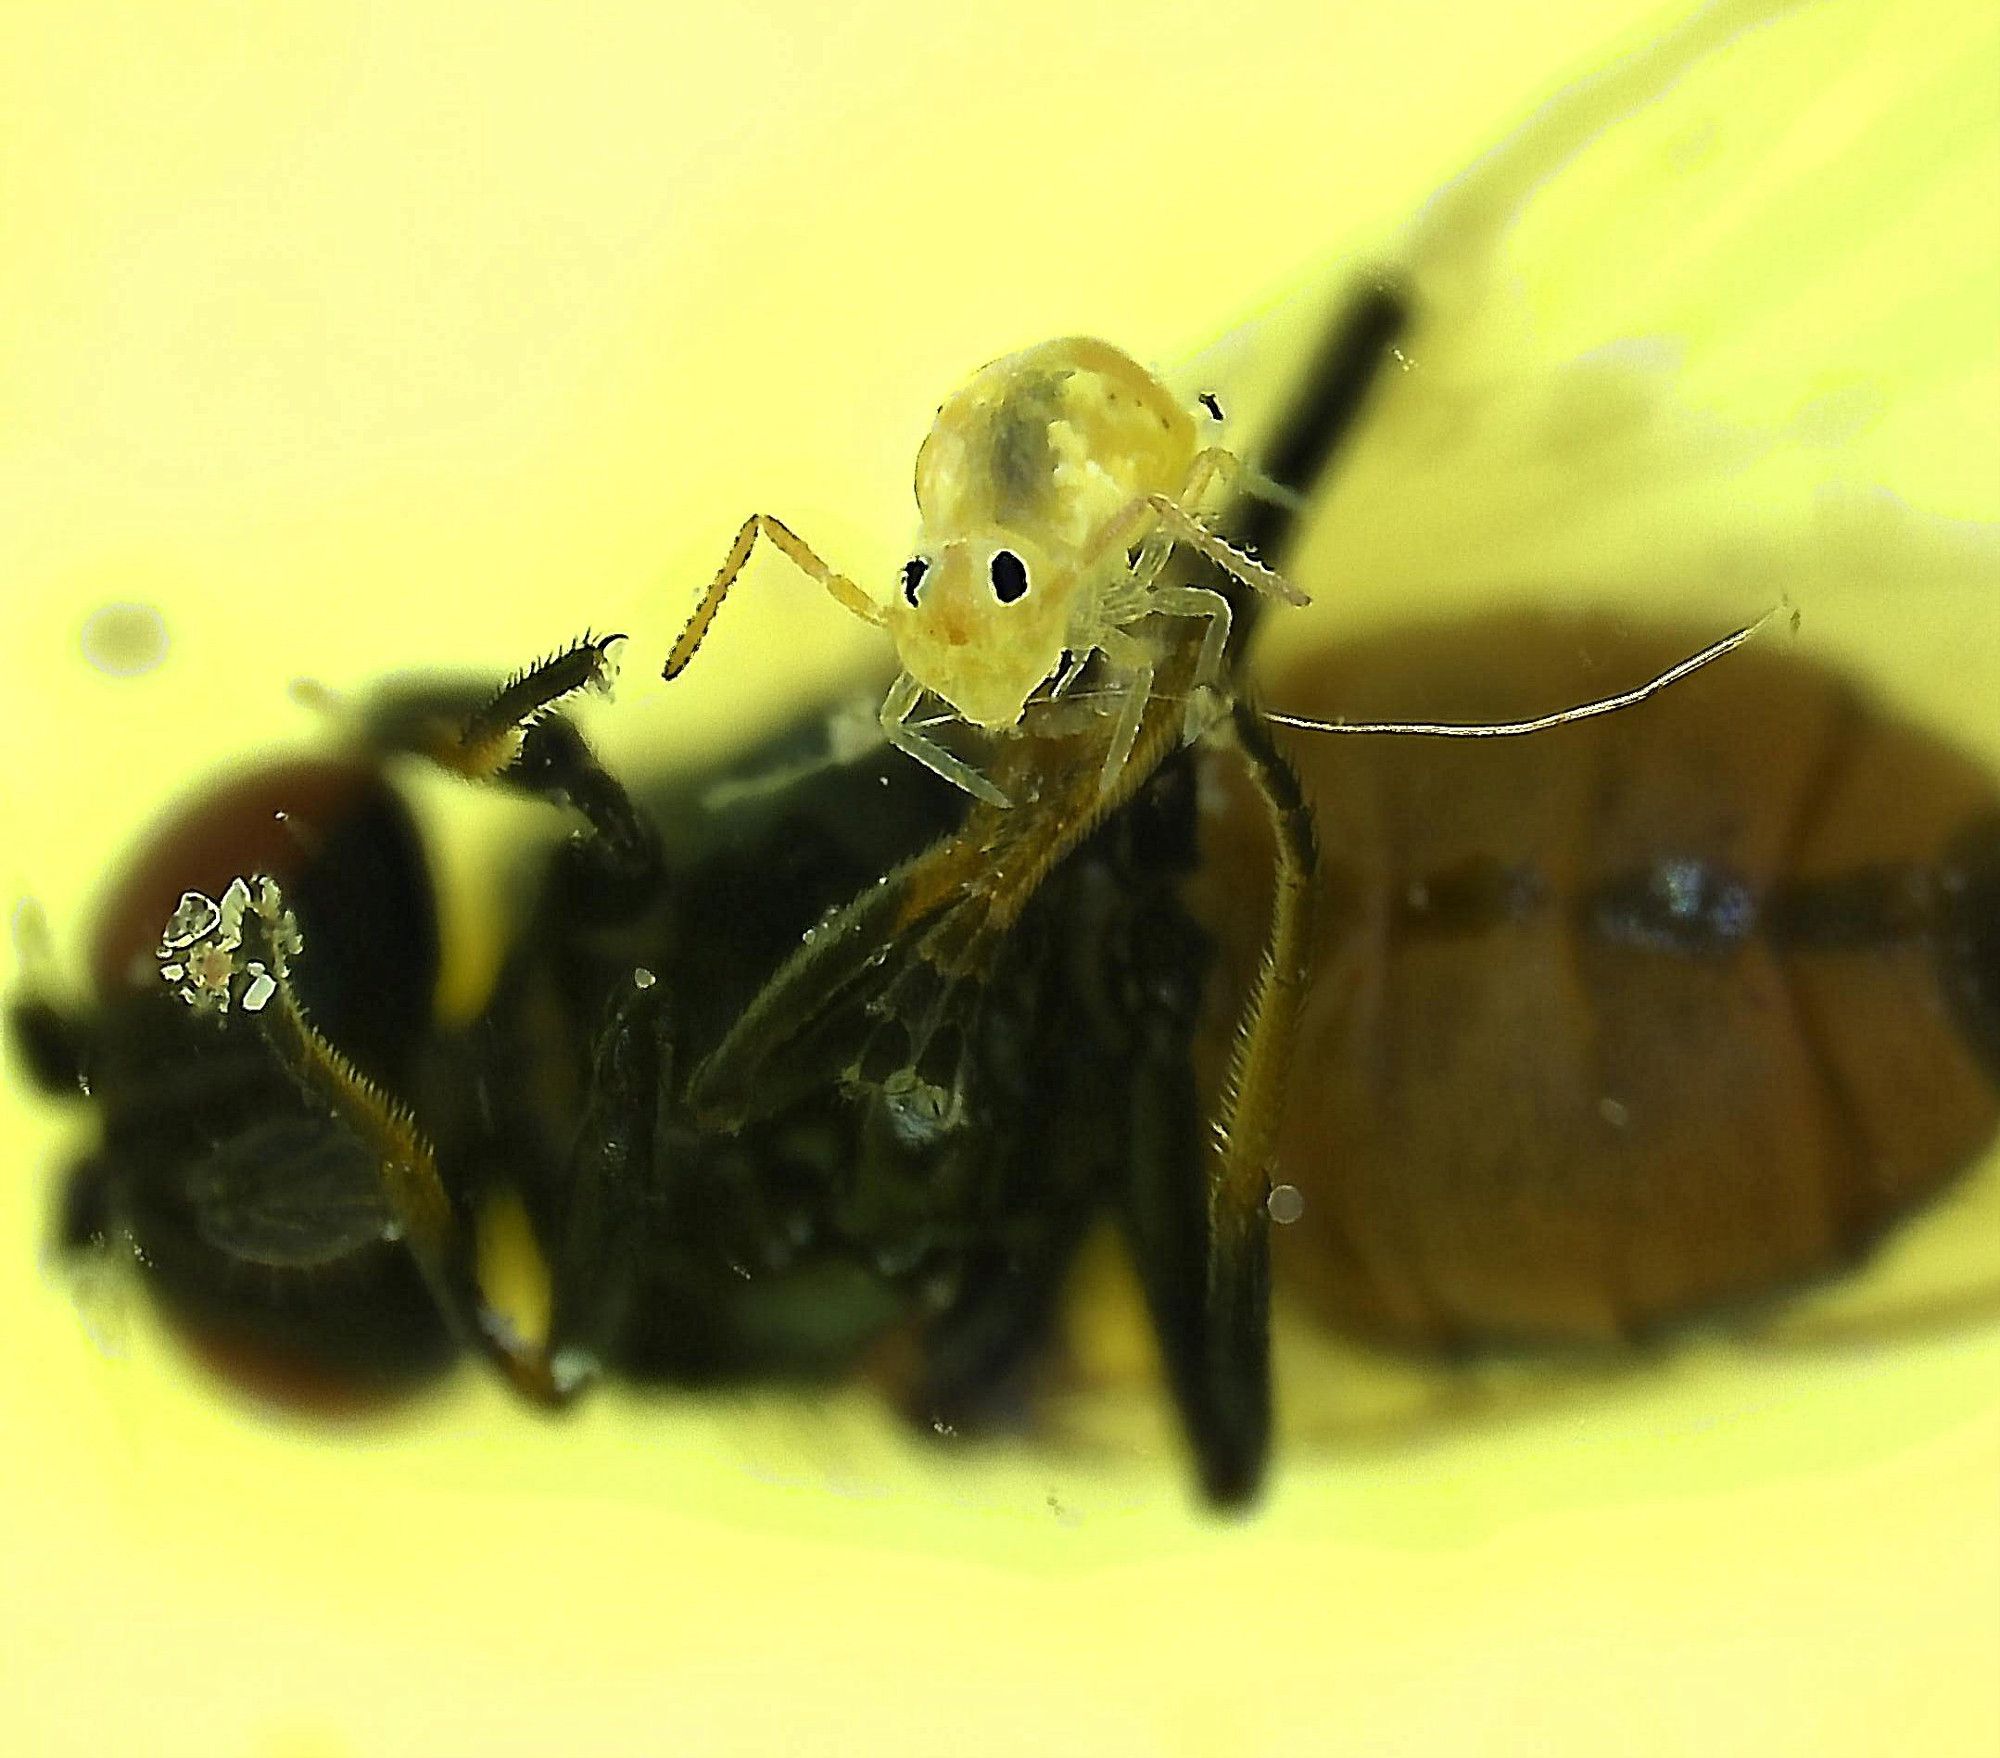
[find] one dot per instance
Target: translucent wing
(289, 1192)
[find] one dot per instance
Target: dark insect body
(930, 1183)
(1553, 1040)
(845, 1069)
(1605, 1027)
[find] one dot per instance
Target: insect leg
(483, 744)
(1132, 665)
(798, 552)
(1200, 601)
(1156, 514)
(608, 1181)
(973, 1351)
(1224, 1406)
(1237, 1280)
(1068, 674)
(1211, 465)
(518, 739)
(237, 953)
(1223, 1397)
(556, 764)
(1186, 529)
(897, 707)
(53, 1045)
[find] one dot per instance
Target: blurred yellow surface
(353, 338)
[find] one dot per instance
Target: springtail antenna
(1508, 729)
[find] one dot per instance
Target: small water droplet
(124, 640)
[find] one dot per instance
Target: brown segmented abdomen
(1617, 1023)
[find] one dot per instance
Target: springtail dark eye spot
(1080, 454)
(1010, 576)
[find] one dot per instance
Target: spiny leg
(237, 952)
(1334, 392)
(1238, 1293)
(1187, 530)
(485, 742)
(897, 707)
(519, 739)
(1211, 465)
(798, 552)
(1161, 514)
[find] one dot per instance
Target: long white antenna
(1508, 729)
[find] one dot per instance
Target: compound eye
(1010, 576)
(914, 571)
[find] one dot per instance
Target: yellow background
(365, 337)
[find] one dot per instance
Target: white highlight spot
(195, 915)
(604, 677)
(572, 1368)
